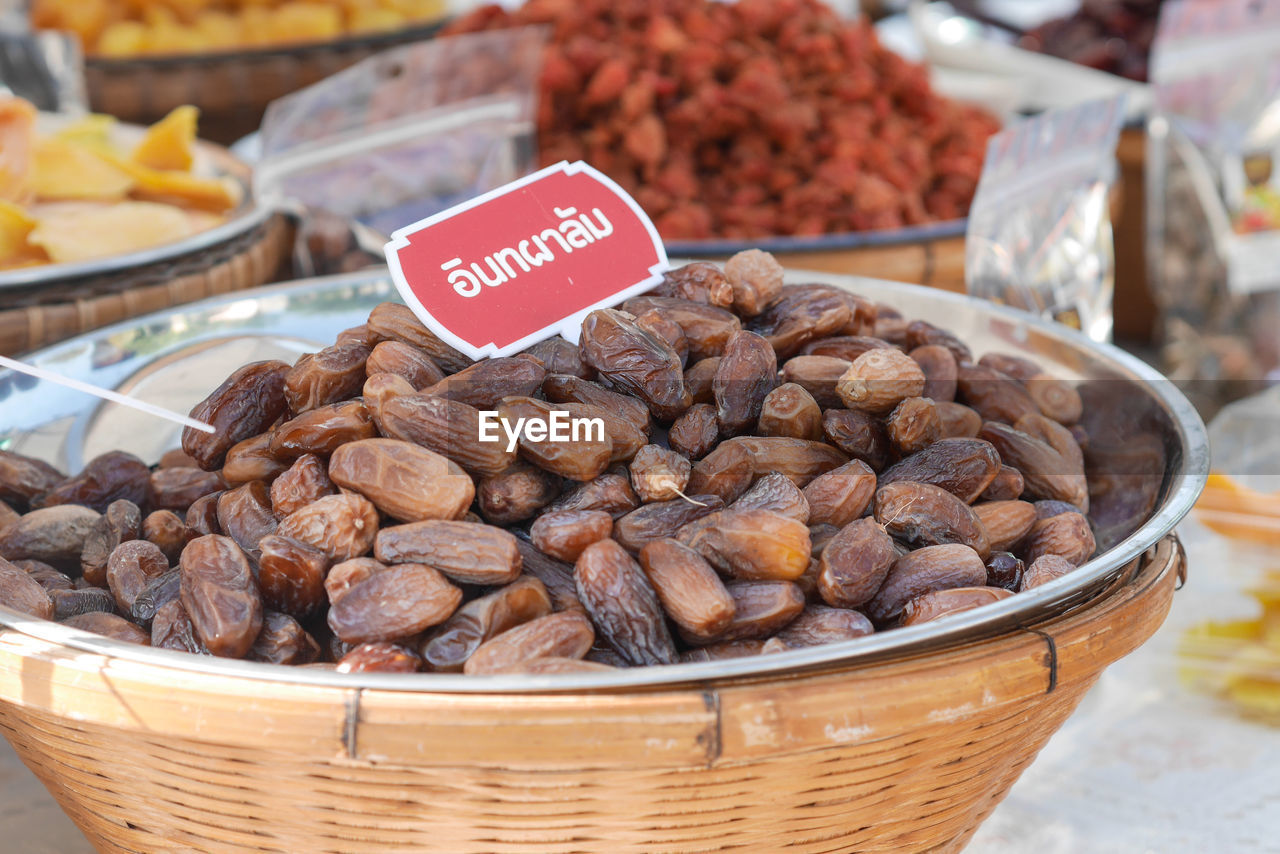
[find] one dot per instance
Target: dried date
(404, 481)
(245, 405)
(369, 601)
(219, 595)
(623, 605)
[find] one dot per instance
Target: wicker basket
(37, 317)
(905, 754)
(231, 89)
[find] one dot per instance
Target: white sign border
(569, 327)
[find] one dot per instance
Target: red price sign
(526, 261)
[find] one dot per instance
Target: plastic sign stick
(526, 261)
(105, 394)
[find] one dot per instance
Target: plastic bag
(1039, 233)
(1213, 196)
(401, 136)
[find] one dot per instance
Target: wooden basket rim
(782, 665)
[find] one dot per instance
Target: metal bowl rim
(1189, 481)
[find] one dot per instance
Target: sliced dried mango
(82, 233)
(92, 131)
(15, 225)
(170, 142)
(182, 188)
(64, 170)
(17, 136)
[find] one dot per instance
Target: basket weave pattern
(906, 754)
(32, 319)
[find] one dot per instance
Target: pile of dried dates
(776, 466)
(748, 119)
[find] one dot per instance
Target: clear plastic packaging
(1213, 197)
(401, 136)
(1039, 233)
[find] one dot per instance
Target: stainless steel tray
(176, 357)
(210, 160)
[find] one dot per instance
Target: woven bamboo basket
(909, 753)
(232, 89)
(33, 318)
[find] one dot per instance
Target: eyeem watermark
(558, 426)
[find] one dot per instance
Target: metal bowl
(823, 242)
(210, 159)
(1145, 438)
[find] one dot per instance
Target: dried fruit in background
(1006, 522)
(283, 641)
(1046, 568)
(252, 459)
(110, 626)
(132, 566)
(322, 430)
(857, 434)
(1007, 485)
(244, 515)
(584, 456)
(1066, 535)
(447, 427)
(611, 493)
(761, 609)
(380, 657)
(819, 375)
(698, 282)
(485, 383)
(177, 488)
(756, 279)
(23, 478)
